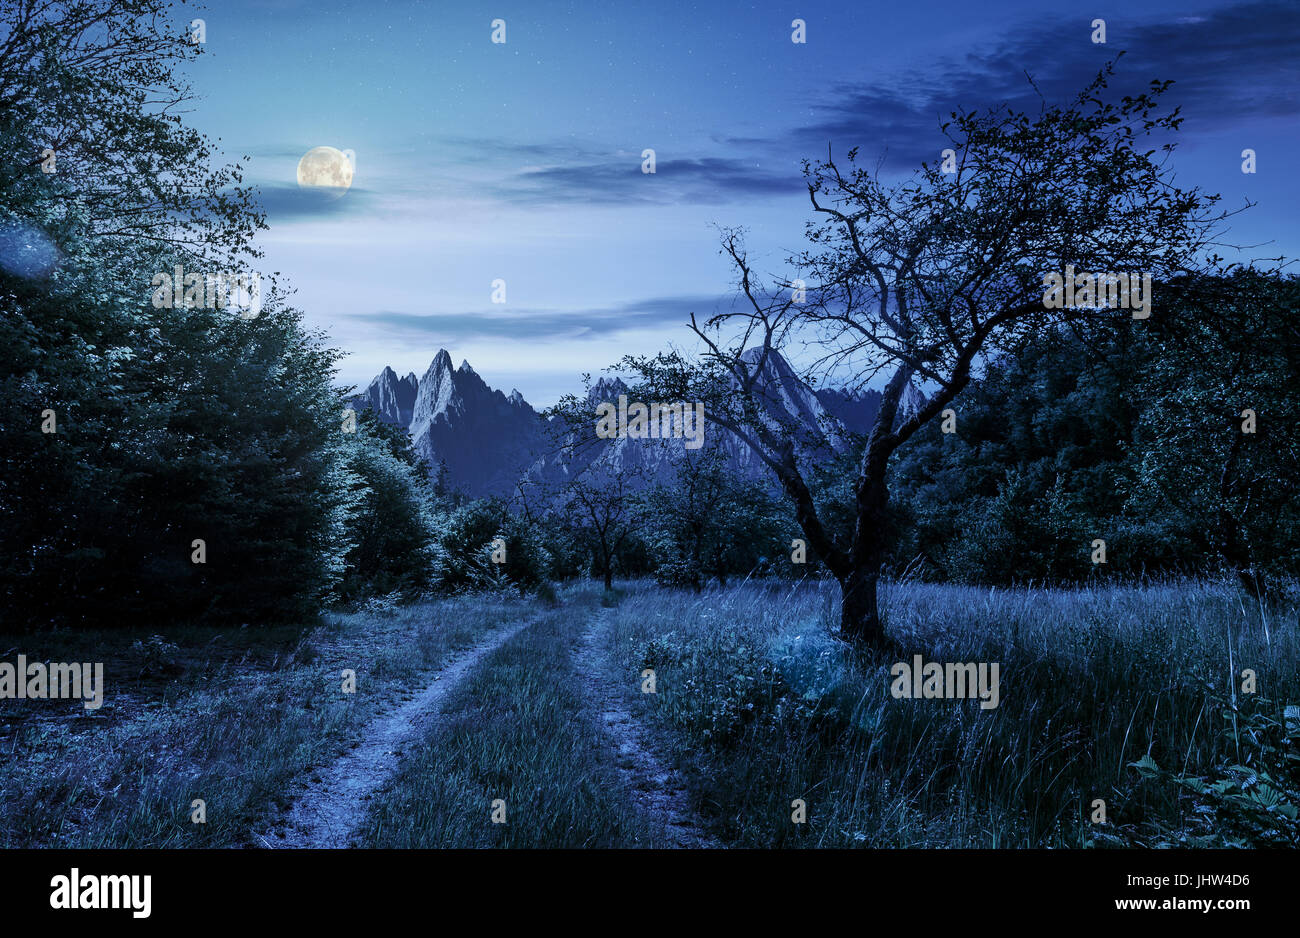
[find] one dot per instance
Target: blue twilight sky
(522, 161)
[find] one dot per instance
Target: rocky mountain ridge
(489, 441)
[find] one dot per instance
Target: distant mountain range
(489, 441)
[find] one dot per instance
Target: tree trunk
(1237, 557)
(1232, 546)
(609, 577)
(860, 622)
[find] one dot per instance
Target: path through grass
(229, 718)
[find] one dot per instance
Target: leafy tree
(708, 524)
(390, 526)
(465, 549)
(99, 83)
(172, 425)
(1038, 466)
(1228, 345)
(598, 494)
(598, 506)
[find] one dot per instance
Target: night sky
(522, 161)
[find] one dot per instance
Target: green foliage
(390, 527)
(720, 685)
(173, 425)
(101, 83)
(705, 524)
(1035, 471)
(157, 656)
(761, 706)
(464, 549)
(1107, 432)
(1226, 345)
(1251, 797)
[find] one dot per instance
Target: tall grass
(762, 706)
(241, 717)
(755, 700)
(519, 730)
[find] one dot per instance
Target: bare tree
(599, 505)
(597, 492)
(919, 281)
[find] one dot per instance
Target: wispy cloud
(1228, 66)
(448, 328)
(293, 202)
(675, 181)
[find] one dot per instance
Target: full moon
(325, 170)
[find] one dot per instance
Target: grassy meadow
(762, 707)
(1128, 695)
(229, 718)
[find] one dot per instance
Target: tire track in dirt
(326, 813)
(658, 791)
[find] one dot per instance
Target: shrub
(1251, 799)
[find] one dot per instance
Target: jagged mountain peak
(441, 364)
(911, 401)
(485, 439)
(775, 358)
(856, 408)
(390, 397)
(606, 389)
(489, 440)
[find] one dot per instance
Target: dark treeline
(1131, 433)
(141, 437)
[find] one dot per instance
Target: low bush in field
(1249, 797)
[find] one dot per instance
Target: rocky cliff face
(390, 397)
(792, 407)
(572, 454)
(856, 410)
(486, 439)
